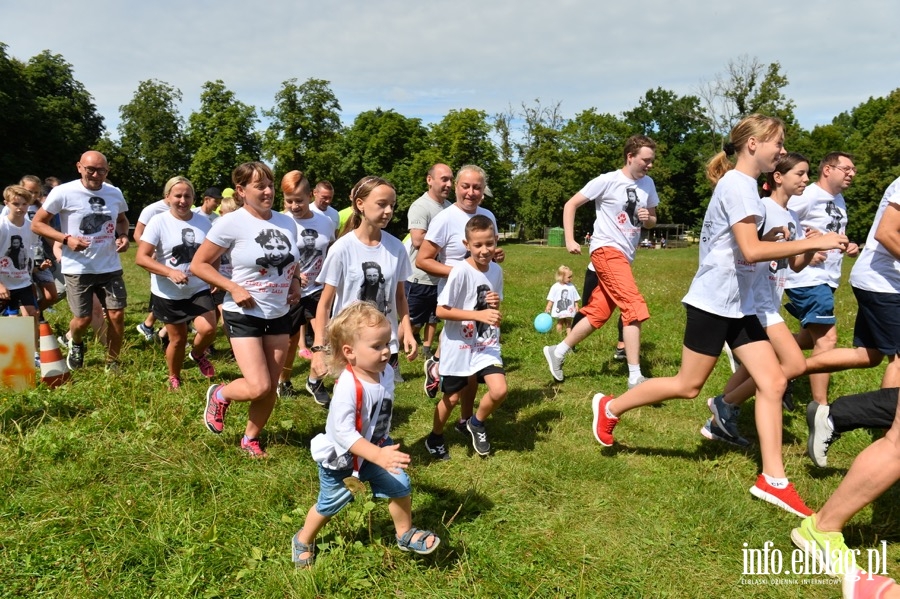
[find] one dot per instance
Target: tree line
(536, 159)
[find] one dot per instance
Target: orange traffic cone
(54, 371)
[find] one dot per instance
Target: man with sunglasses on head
(90, 254)
(810, 292)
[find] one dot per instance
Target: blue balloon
(543, 322)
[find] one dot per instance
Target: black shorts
(171, 311)
(304, 311)
(422, 301)
(877, 321)
(245, 325)
(707, 333)
(219, 297)
(19, 298)
(452, 384)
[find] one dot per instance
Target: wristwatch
(318, 348)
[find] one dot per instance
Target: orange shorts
(615, 288)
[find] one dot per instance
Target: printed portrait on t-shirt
(383, 419)
(482, 329)
(276, 250)
(631, 206)
(563, 304)
(308, 252)
(93, 222)
(834, 212)
(373, 289)
(17, 253)
(184, 252)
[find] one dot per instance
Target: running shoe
(859, 585)
(827, 548)
(479, 438)
(75, 357)
(461, 427)
(214, 416)
(725, 415)
(603, 425)
(711, 431)
(554, 363)
(637, 381)
(432, 378)
(252, 448)
(203, 363)
(821, 433)
(317, 390)
(145, 331)
(174, 383)
(286, 390)
(436, 447)
(619, 354)
(787, 498)
(787, 400)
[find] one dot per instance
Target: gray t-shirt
(419, 217)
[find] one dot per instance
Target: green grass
(113, 486)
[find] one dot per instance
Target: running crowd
(351, 298)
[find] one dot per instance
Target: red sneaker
(214, 415)
(603, 424)
(859, 585)
(203, 363)
(787, 498)
(252, 448)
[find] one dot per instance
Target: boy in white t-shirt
(470, 341)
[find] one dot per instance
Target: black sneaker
(286, 390)
(75, 357)
(619, 354)
(317, 390)
(432, 378)
(479, 438)
(787, 400)
(436, 447)
(461, 428)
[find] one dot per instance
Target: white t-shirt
(819, 210)
(329, 212)
(876, 269)
(157, 207)
(723, 284)
(468, 346)
(448, 230)
(263, 259)
(90, 216)
(175, 249)
(769, 286)
(369, 273)
(16, 254)
(419, 216)
(212, 216)
(563, 307)
(616, 201)
(314, 235)
(340, 426)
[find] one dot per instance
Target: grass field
(112, 486)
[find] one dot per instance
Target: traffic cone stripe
(54, 371)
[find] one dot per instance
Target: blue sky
(423, 59)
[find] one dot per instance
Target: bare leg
(824, 337)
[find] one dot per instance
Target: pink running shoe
(214, 416)
(203, 363)
(252, 448)
(859, 585)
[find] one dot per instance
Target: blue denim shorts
(334, 496)
(811, 305)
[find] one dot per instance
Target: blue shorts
(877, 321)
(334, 495)
(422, 302)
(811, 305)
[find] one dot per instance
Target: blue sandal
(297, 548)
(420, 546)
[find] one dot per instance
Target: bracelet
(65, 240)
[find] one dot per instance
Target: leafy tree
(679, 127)
(747, 86)
(304, 130)
(152, 146)
(221, 135)
(17, 113)
(382, 143)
